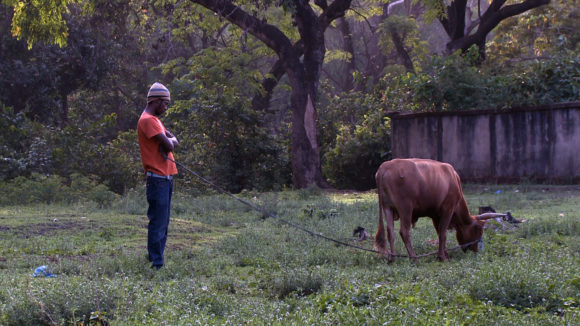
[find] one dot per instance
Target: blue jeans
(159, 193)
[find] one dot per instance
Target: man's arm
(166, 145)
(171, 137)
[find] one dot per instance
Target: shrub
(226, 145)
(361, 144)
(459, 82)
(49, 189)
(81, 151)
(24, 147)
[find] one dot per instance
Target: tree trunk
(402, 52)
(306, 166)
(347, 45)
(304, 76)
(305, 149)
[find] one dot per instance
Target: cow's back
(422, 185)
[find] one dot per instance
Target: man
(156, 144)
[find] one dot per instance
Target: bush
(35, 189)
(81, 151)
(459, 82)
(360, 145)
(224, 142)
(31, 148)
(47, 189)
(24, 147)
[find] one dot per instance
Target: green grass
(227, 264)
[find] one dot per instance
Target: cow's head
(468, 236)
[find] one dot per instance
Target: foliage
(408, 30)
(547, 81)
(357, 140)
(38, 81)
(458, 83)
(226, 145)
(224, 138)
(435, 9)
(49, 189)
(226, 265)
(23, 145)
(35, 149)
(541, 32)
(40, 21)
(450, 83)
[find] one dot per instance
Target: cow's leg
(380, 243)
(442, 226)
(436, 224)
(405, 220)
(389, 217)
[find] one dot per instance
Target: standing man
(156, 144)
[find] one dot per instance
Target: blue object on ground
(42, 271)
(498, 192)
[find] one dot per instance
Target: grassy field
(227, 264)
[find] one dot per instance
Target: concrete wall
(540, 144)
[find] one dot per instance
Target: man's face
(161, 107)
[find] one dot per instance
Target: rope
(299, 227)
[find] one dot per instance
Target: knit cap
(158, 91)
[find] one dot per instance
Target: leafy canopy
(40, 21)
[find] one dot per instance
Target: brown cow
(412, 188)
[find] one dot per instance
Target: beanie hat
(158, 91)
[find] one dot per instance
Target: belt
(155, 175)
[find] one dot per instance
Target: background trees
(480, 22)
(242, 73)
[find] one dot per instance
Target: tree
(537, 34)
(454, 16)
(39, 80)
(303, 74)
(301, 61)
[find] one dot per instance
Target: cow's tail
(380, 240)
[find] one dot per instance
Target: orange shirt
(148, 127)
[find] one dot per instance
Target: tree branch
(491, 18)
(336, 10)
(267, 33)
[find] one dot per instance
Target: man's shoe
(157, 267)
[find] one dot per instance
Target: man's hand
(171, 138)
(167, 142)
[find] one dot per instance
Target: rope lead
(296, 226)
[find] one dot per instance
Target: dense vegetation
(227, 264)
(68, 111)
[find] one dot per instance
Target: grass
(227, 264)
